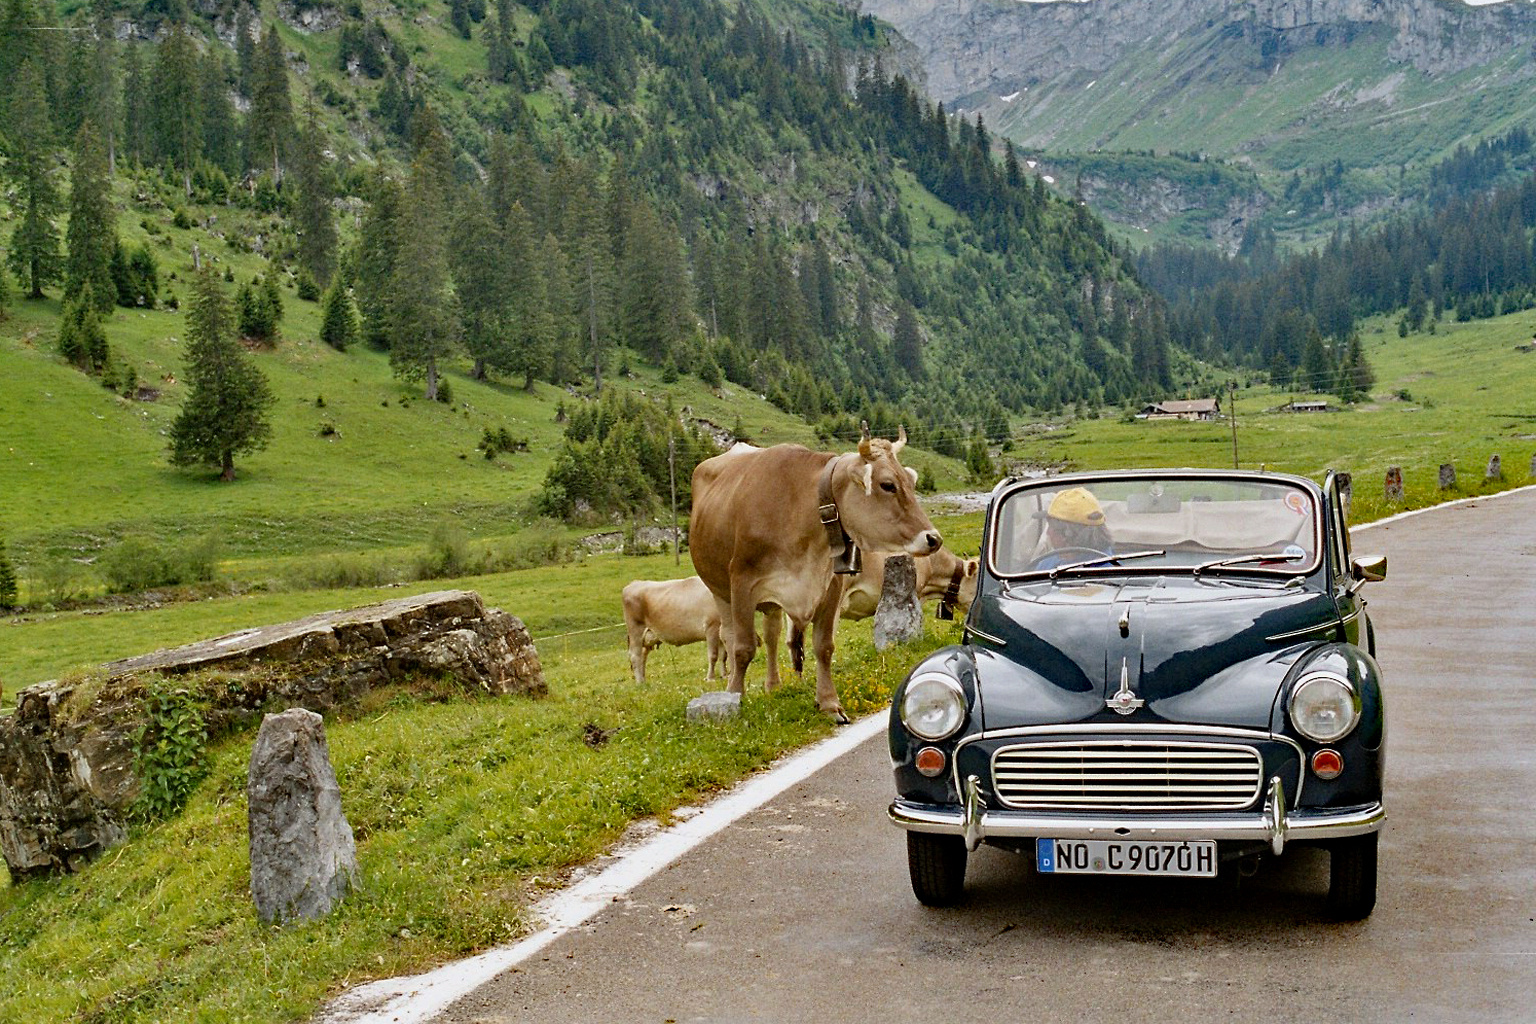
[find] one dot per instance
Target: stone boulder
(67, 780)
(303, 856)
(899, 615)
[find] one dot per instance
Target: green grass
(1466, 386)
(463, 811)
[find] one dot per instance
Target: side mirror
(1368, 568)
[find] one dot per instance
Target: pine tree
(228, 403)
(654, 290)
(82, 340)
(374, 261)
(177, 111)
(34, 254)
(269, 123)
(907, 345)
(423, 317)
(8, 595)
(136, 106)
(92, 233)
(312, 212)
(221, 141)
(530, 315)
(483, 279)
(338, 320)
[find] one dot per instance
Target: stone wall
(67, 781)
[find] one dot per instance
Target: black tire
(1352, 878)
(937, 866)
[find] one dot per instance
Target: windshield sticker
(1298, 503)
(1294, 553)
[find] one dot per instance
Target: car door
(1345, 588)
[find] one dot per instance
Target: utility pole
(1232, 411)
(672, 480)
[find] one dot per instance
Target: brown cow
(943, 575)
(674, 612)
(762, 531)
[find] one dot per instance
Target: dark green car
(1164, 672)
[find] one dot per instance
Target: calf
(674, 612)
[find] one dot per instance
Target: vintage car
(1164, 673)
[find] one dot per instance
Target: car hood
(1206, 652)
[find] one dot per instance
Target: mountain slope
(1274, 85)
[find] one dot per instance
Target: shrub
(169, 751)
(447, 553)
(137, 564)
(306, 287)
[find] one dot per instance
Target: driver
(1074, 528)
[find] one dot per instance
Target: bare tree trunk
(228, 471)
(431, 379)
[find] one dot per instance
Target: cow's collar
(847, 560)
(951, 599)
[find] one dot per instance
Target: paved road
(802, 912)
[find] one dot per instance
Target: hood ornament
(1124, 702)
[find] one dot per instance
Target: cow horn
(901, 439)
(864, 446)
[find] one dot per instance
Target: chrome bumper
(1273, 824)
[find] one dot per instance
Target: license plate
(1126, 857)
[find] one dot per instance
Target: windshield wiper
(1106, 559)
(1222, 563)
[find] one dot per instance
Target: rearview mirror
(1368, 568)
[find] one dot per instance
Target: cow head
(954, 580)
(877, 499)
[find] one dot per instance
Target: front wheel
(1352, 878)
(937, 866)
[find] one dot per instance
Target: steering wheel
(1070, 550)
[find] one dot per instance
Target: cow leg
(773, 627)
(637, 651)
(824, 629)
(712, 643)
(739, 613)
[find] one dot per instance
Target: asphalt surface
(801, 911)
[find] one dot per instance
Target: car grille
(1132, 774)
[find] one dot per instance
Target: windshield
(1200, 525)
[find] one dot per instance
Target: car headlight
(1324, 707)
(933, 707)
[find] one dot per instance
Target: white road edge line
(418, 998)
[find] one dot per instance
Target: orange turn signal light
(930, 761)
(1327, 764)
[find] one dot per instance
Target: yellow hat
(1076, 505)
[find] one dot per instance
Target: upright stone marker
(899, 615)
(1447, 476)
(1495, 469)
(1346, 491)
(1394, 484)
(303, 857)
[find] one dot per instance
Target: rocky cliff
(1003, 45)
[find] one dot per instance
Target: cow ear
(972, 566)
(901, 438)
(864, 446)
(911, 473)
